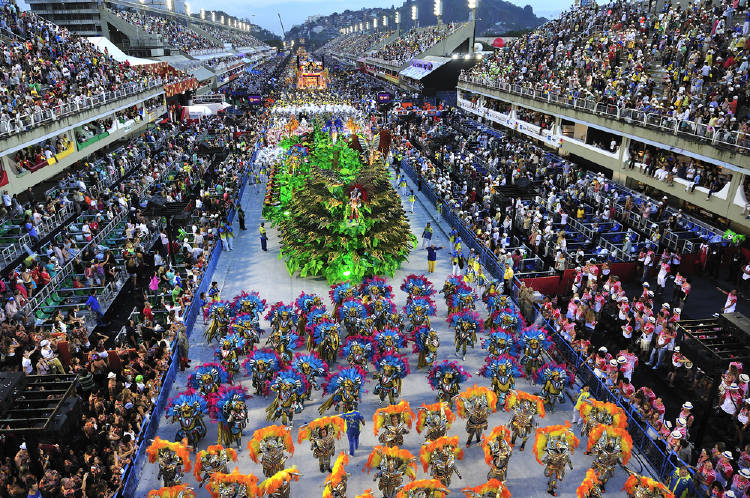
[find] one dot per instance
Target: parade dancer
(232, 485)
(358, 351)
(553, 378)
(589, 488)
(419, 310)
(227, 355)
(340, 293)
(187, 409)
(215, 458)
(321, 433)
(493, 488)
(173, 459)
(502, 371)
(499, 343)
(553, 447)
(389, 339)
(524, 407)
(466, 324)
(311, 367)
(611, 446)
(418, 286)
(326, 340)
(269, 445)
(426, 343)
(475, 405)
(232, 414)
(379, 313)
(395, 421)
(206, 379)
(261, 365)
(352, 315)
(316, 316)
(392, 465)
(219, 312)
(446, 378)
(177, 491)
(374, 288)
(335, 483)
(597, 412)
(440, 457)
(506, 319)
(497, 452)
(345, 388)
(423, 488)
(290, 387)
(637, 486)
(279, 484)
(533, 341)
(434, 420)
(391, 368)
(303, 305)
(462, 299)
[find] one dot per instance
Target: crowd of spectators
(413, 43)
(174, 33)
(354, 45)
(238, 39)
(45, 71)
(688, 63)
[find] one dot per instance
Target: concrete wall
(137, 37)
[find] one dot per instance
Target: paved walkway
(248, 268)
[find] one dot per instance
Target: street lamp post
(415, 15)
(473, 9)
(398, 23)
(438, 11)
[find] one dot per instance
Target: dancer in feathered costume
(395, 421)
(466, 323)
(462, 299)
(335, 484)
(315, 316)
(232, 485)
(311, 367)
(423, 488)
(390, 370)
(303, 305)
(506, 318)
(178, 491)
(391, 464)
(497, 452)
(290, 387)
(389, 340)
(446, 378)
(250, 303)
(215, 458)
(173, 459)
(345, 388)
(417, 286)
(340, 293)
(611, 446)
(219, 313)
(493, 488)
(282, 318)
(188, 408)
(284, 343)
(261, 365)
(589, 488)
(553, 378)
(524, 407)
(232, 415)
(247, 326)
(554, 446)
(426, 343)
(637, 486)
(379, 312)
(279, 484)
(451, 285)
(503, 371)
(326, 340)
(358, 351)
(440, 457)
(321, 433)
(352, 314)
(500, 343)
(373, 288)
(231, 346)
(396, 321)
(270, 445)
(597, 412)
(206, 379)
(495, 302)
(418, 311)
(475, 405)
(533, 341)
(434, 420)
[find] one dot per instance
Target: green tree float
(338, 215)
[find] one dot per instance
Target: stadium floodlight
(187, 9)
(375, 22)
(472, 4)
(385, 21)
(203, 14)
(168, 4)
(414, 12)
(367, 25)
(438, 10)
(213, 16)
(221, 20)
(361, 27)
(398, 17)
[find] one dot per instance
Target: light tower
(438, 11)
(398, 23)
(415, 15)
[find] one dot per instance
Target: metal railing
(668, 124)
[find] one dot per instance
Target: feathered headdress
(473, 393)
(278, 308)
(213, 449)
(543, 435)
(334, 424)
(499, 432)
(276, 431)
(423, 303)
(276, 481)
(417, 286)
(515, 397)
(454, 282)
(619, 418)
(382, 338)
(189, 397)
(248, 480)
(339, 292)
(318, 366)
(622, 435)
(440, 370)
(398, 362)
(354, 374)
(384, 289)
(313, 317)
(463, 297)
(380, 452)
(590, 482)
(499, 338)
(506, 319)
(382, 415)
(265, 355)
(466, 315)
(177, 491)
(365, 494)
(496, 301)
(243, 320)
(418, 336)
(215, 306)
(366, 343)
(360, 311)
(441, 443)
(215, 370)
(248, 301)
(634, 481)
(424, 410)
(290, 378)
(549, 370)
(493, 487)
(227, 394)
(388, 305)
(304, 303)
(533, 332)
(494, 364)
(337, 474)
(181, 449)
(322, 329)
(435, 487)
(236, 341)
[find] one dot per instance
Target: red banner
(180, 87)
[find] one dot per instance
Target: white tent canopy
(103, 44)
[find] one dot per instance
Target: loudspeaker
(66, 422)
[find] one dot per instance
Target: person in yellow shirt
(583, 397)
(580, 213)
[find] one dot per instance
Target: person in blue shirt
(681, 483)
(427, 235)
(432, 257)
(353, 421)
(93, 304)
